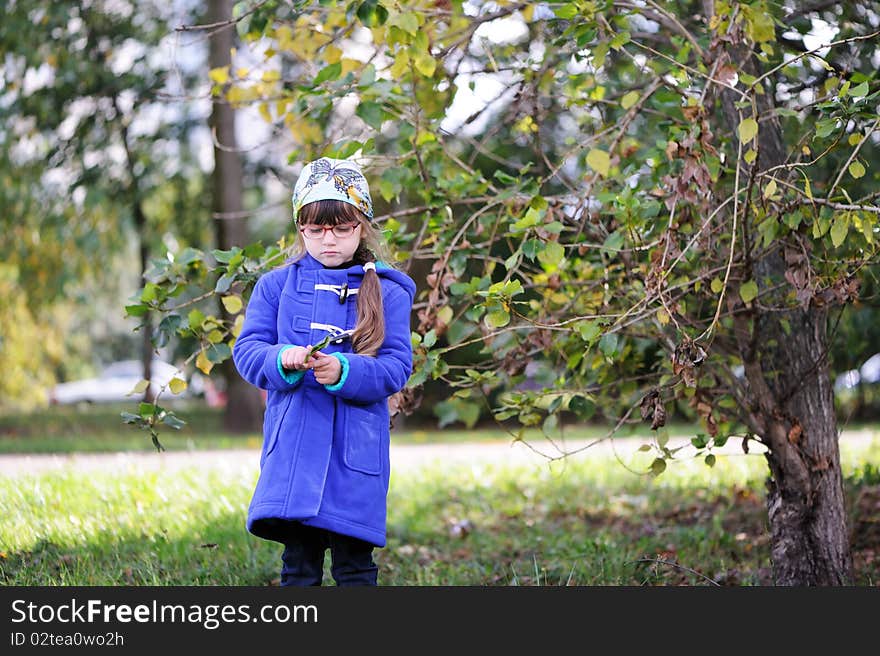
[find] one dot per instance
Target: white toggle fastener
(369, 266)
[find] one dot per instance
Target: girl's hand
(295, 358)
(327, 368)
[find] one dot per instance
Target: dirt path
(403, 456)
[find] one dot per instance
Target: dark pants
(351, 559)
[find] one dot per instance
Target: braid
(369, 332)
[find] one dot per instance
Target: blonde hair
(369, 330)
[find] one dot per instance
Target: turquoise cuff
(335, 387)
(291, 377)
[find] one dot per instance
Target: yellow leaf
(425, 64)
(284, 35)
(176, 385)
(629, 99)
(856, 169)
(425, 137)
(349, 65)
(242, 72)
(232, 304)
(662, 316)
(807, 189)
(219, 75)
(215, 336)
(854, 139)
(332, 54)
(770, 189)
(265, 112)
(401, 64)
(445, 314)
(747, 130)
(140, 387)
(599, 161)
(271, 76)
(203, 363)
(750, 155)
(237, 326)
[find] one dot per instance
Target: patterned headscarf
(332, 179)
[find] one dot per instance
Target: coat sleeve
(257, 352)
(366, 379)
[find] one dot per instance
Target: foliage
(90, 160)
(589, 233)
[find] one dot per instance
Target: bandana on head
(332, 179)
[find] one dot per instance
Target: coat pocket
(272, 427)
(364, 436)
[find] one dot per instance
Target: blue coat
(325, 459)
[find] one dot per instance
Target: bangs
(329, 212)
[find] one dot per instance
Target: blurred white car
(868, 373)
(115, 383)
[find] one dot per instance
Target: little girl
(324, 468)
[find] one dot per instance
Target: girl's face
(332, 245)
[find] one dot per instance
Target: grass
(99, 429)
(587, 521)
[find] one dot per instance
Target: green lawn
(99, 428)
(589, 521)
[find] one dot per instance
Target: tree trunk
(792, 406)
(244, 406)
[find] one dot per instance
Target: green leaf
(608, 344)
(224, 282)
(859, 90)
(658, 466)
(372, 14)
(371, 113)
(328, 73)
(856, 169)
(717, 285)
(583, 407)
(136, 310)
(497, 319)
(747, 130)
(839, 228)
(196, 318)
(710, 460)
(217, 353)
(748, 291)
(503, 178)
(552, 254)
(825, 127)
(566, 11)
(629, 99)
(599, 161)
(588, 330)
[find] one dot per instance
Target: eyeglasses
(341, 231)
